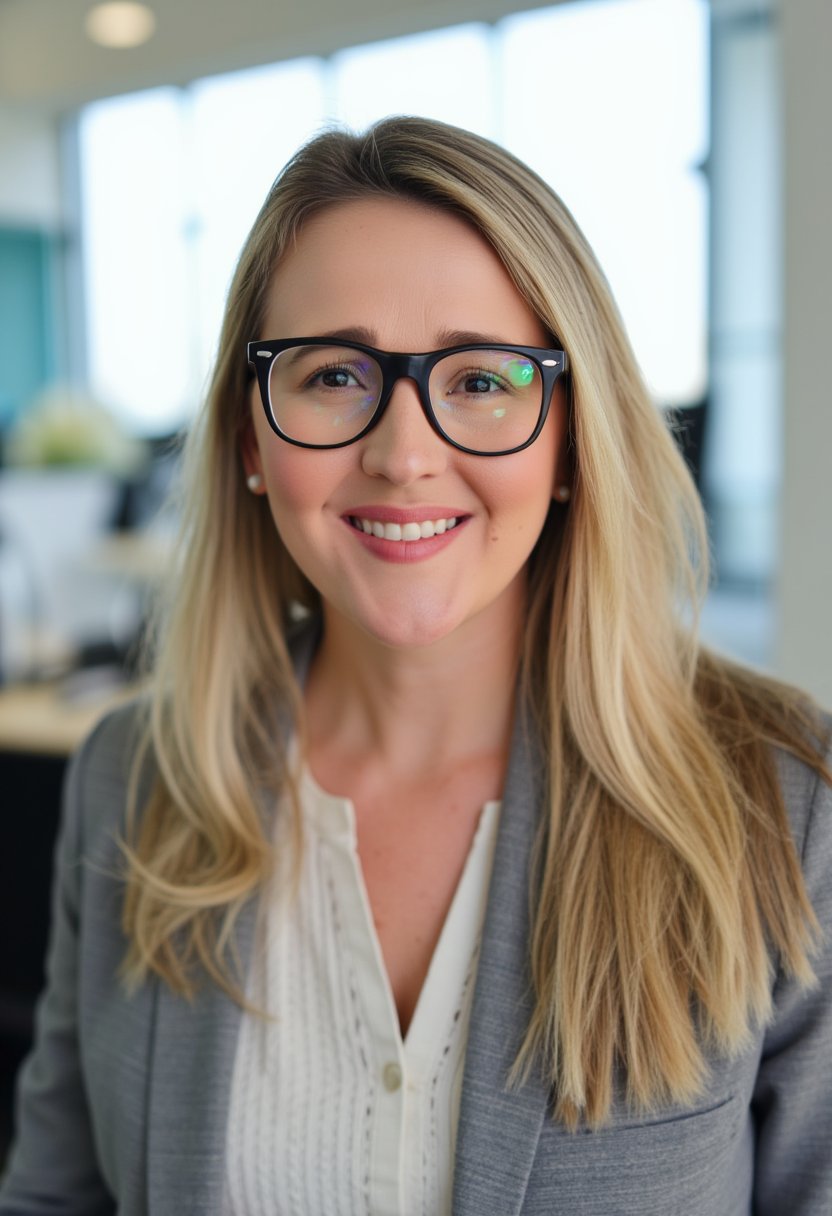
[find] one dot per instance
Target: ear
(250, 450)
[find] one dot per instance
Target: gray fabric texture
(122, 1105)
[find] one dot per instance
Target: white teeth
(410, 531)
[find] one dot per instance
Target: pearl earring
(563, 493)
(255, 482)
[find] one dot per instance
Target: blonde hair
(665, 866)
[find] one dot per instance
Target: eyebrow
(444, 337)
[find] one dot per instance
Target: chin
(402, 637)
(410, 630)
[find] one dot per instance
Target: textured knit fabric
(123, 1106)
(330, 1111)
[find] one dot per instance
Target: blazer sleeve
(792, 1101)
(52, 1167)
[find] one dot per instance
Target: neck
(415, 710)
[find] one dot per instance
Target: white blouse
(331, 1112)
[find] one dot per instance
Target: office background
(688, 137)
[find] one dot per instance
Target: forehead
(395, 265)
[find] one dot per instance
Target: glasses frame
(397, 366)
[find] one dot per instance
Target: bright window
(607, 100)
(244, 127)
(446, 74)
(138, 258)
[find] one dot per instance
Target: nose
(403, 446)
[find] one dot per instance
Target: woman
(452, 873)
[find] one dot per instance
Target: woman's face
(408, 277)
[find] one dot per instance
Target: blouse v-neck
(331, 1108)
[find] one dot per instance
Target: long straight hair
(665, 881)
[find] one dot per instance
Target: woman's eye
(477, 383)
(334, 377)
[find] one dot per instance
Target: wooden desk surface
(38, 718)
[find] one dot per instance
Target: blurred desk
(41, 724)
(39, 719)
(39, 727)
(140, 557)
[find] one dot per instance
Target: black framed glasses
(486, 399)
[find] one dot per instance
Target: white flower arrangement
(66, 428)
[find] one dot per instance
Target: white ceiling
(47, 62)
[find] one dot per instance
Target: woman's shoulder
(108, 750)
(806, 790)
(758, 720)
(116, 759)
(101, 770)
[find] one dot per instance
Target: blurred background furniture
(39, 727)
(81, 551)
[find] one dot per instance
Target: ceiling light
(120, 25)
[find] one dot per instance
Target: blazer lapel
(190, 1089)
(498, 1130)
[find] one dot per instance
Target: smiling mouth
(385, 530)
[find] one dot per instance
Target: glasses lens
(323, 394)
(487, 400)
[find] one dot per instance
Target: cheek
(299, 483)
(521, 486)
(293, 482)
(527, 500)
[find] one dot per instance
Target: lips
(405, 534)
(386, 529)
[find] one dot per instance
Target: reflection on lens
(488, 400)
(520, 372)
(324, 394)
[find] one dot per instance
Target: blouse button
(392, 1077)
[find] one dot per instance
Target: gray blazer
(122, 1106)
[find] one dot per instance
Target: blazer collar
(498, 1130)
(190, 1090)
